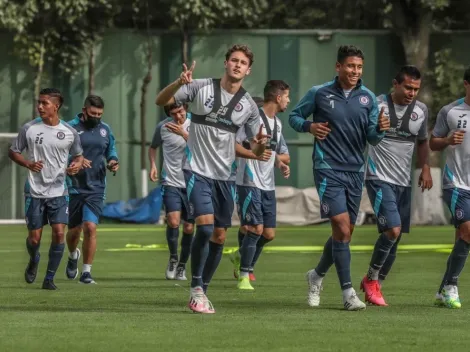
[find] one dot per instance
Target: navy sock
(382, 248)
(342, 260)
(55, 256)
(172, 240)
(259, 248)
(458, 257)
(248, 250)
(199, 251)
(33, 250)
(389, 261)
(212, 262)
(326, 260)
(443, 282)
(241, 235)
(186, 241)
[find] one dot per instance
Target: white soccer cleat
(199, 303)
(439, 300)
(352, 302)
(180, 273)
(171, 269)
(313, 295)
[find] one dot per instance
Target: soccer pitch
(133, 307)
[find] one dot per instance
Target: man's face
(406, 91)
(466, 85)
(237, 66)
(283, 100)
(92, 112)
(47, 106)
(350, 71)
(178, 114)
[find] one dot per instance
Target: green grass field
(133, 308)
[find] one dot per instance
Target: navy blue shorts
(176, 199)
(85, 208)
(458, 201)
(391, 204)
(41, 211)
(339, 191)
(208, 196)
(256, 206)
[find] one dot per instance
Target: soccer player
(171, 134)
(87, 188)
(388, 176)
(345, 118)
(255, 183)
(48, 142)
(219, 108)
(450, 134)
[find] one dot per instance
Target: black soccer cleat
(49, 285)
(31, 270)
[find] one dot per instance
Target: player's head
(277, 91)
(92, 110)
(49, 102)
(406, 85)
(349, 63)
(177, 112)
(466, 80)
(238, 61)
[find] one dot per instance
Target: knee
(342, 231)
(393, 233)
(89, 229)
(269, 235)
(219, 235)
(464, 231)
(34, 238)
(58, 235)
(173, 222)
(188, 228)
(256, 229)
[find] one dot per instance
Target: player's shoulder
(421, 107)
(252, 107)
(324, 87)
(65, 126)
(75, 121)
(35, 122)
(106, 126)
(279, 122)
(449, 107)
(367, 91)
(201, 82)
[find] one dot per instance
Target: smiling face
(237, 66)
(406, 91)
(178, 114)
(349, 71)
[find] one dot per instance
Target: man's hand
(113, 166)
(285, 169)
(425, 178)
(320, 130)
(175, 128)
(153, 174)
(86, 164)
(384, 122)
(73, 168)
(187, 75)
(266, 156)
(261, 138)
(35, 166)
(456, 138)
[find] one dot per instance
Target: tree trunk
(91, 70)
(185, 45)
(38, 79)
(145, 83)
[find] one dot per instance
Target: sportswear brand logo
(39, 138)
(330, 96)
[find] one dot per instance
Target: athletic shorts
(176, 199)
(85, 208)
(256, 206)
(458, 201)
(43, 211)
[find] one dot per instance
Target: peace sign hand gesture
(187, 75)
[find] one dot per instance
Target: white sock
(73, 255)
(86, 268)
(316, 279)
(373, 274)
(347, 293)
(244, 274)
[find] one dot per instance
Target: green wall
(298, 57)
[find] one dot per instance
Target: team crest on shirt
(60, 135)
(459, 214)
(103, 132)
(325, 207)
(364, 100)
(238, 107)
(382, 220)
(414, 116)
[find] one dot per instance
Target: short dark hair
(273, 88)
(244, 49)
(54, 93)
(466, 75)
(258, 100)
(407, 70)
(95, 101)
(168, 108)
(345, 51)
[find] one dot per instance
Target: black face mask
(91, 121)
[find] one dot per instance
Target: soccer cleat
(313, 295)
(353, 302)
(86, 278)
(451, 297)
(71, 270)
(252, 276)
(235, 259)
(373, 295)
(199, 303)
(31, 270)
(171, 269)
(49, 285)
(244, 283)
(439, 300)
(180, 273)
